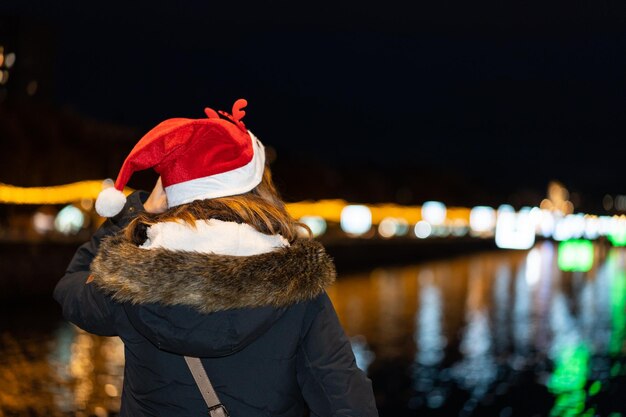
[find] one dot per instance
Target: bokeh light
(356, 219)
(69, 220)
(434, 212)
(514, 230)
(575, 255)
(43, 222)
(482, 219)
(423, 229)
(317, 224)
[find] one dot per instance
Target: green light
(618, 306)
(590, 413)
(570, 369)
(575, 255)
(571, 364)
(618, 237)
(615, 369)
(568, 381)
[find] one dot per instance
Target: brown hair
(261, 208)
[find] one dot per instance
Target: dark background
(466, 102)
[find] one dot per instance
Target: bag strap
(216, 408)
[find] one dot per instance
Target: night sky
(486, 99)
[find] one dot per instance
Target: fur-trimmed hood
(210, 282)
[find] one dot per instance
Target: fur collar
(210, 282)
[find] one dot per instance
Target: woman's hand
(157, 201)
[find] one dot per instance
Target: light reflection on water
(65, 371)
(502, 334)
(494, 334)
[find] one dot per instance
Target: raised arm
(82, 303)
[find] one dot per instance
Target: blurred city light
(546, 223)
(317, 224)
(402, 227)
(533, 266)
(440, 231)
(43, 222)
(482, 220)
(60, 194)
(9, 60)
(514, 230)
(423, 229)
(69, 220)
(434, 212)
(86, 204)
(569, 379)
(6, 63)
(592, 227)
(575, 255)
(458, 228)
(617, 234)
(605, 225)
(362, 353)
(571, 226)
(411, 214)
(558, 199)
(356, 219)
(388, 227)
(393, 226)
(330, 210)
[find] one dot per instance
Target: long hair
(261, 208)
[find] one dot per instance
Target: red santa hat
(196, 158)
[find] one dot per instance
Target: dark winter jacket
(265, 329)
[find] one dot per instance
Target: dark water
(494, 334)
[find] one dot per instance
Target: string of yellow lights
(59, 194)
(330, 210)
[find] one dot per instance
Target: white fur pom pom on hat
(110, 202)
